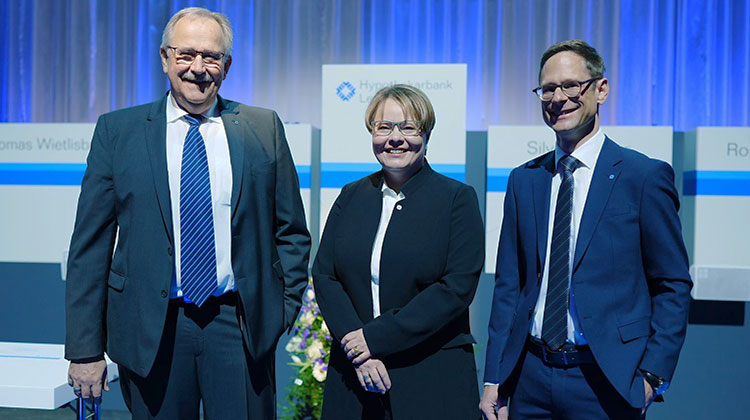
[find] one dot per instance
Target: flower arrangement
(309, 349)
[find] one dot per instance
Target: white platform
(720, 283)
(36, 375)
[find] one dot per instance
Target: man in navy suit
(592, 288)
(190, 251)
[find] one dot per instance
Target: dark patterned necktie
(197, 247)
(555, 326)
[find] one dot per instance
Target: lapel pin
(398, 207)
(611, 176)
(236, 122)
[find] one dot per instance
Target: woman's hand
(355, 347)
(373, 376)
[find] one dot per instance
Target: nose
(198, 66)
(559, 97)
(396, 138)
(396, 133)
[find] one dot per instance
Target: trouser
(575, 392)
(202, 358)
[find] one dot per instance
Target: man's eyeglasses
(570, 88)
(186, 56)
(385, 128)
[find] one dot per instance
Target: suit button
(169, 251)
(164, 293)
(531, 311)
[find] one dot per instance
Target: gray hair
(594, 62)
(199, 12)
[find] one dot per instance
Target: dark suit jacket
(118, 303)
(630, 268)
(431, 261)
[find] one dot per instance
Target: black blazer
(432, 257)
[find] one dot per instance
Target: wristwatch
(658, 384)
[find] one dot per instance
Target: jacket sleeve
(665, 264)
(507, 286)
(90, 254)
(445, 299)
(292, 236)
(334, 302)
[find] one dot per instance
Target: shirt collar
(174, 112)
(388, 191)
(587, 154)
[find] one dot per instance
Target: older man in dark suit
(190, 251)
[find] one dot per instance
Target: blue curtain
(683, 63)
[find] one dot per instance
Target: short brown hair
(414, 102)
(594, 62)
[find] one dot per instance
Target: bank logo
(345, 91)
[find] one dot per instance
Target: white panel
(716, 211)
(300, 139)
(51, 143)
(511, 146)
(36, 221)
(347, 90)
(36, 375)
(346, 146)
(720, 283)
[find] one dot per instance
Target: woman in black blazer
(396, 270)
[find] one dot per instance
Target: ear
(226, 66)
(164, 58)
(602, 91)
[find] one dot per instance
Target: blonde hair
(413, 101)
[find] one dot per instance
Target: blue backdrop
(670, 62)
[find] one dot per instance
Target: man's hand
(649, 396)
(355, 347)
(88, 379)
(491, 405)
(373, 376)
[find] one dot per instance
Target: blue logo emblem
(345, 91)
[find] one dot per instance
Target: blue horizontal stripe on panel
(303, 173)
(336, 175)
(41, 173)
(730, 183)
(497, 179)
(72, 174)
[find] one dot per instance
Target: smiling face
(401, 156)
(196, 85)
(573, 119)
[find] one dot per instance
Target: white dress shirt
(220, 174)
(390, 198)
(587, 154)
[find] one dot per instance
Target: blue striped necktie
(198, 278)
(555, 326)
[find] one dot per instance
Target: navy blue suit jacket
(630, 268)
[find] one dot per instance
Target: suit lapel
(541, 192)
(156, 143)
(605, 175)
(229, 116)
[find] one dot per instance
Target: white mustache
(204, 78)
